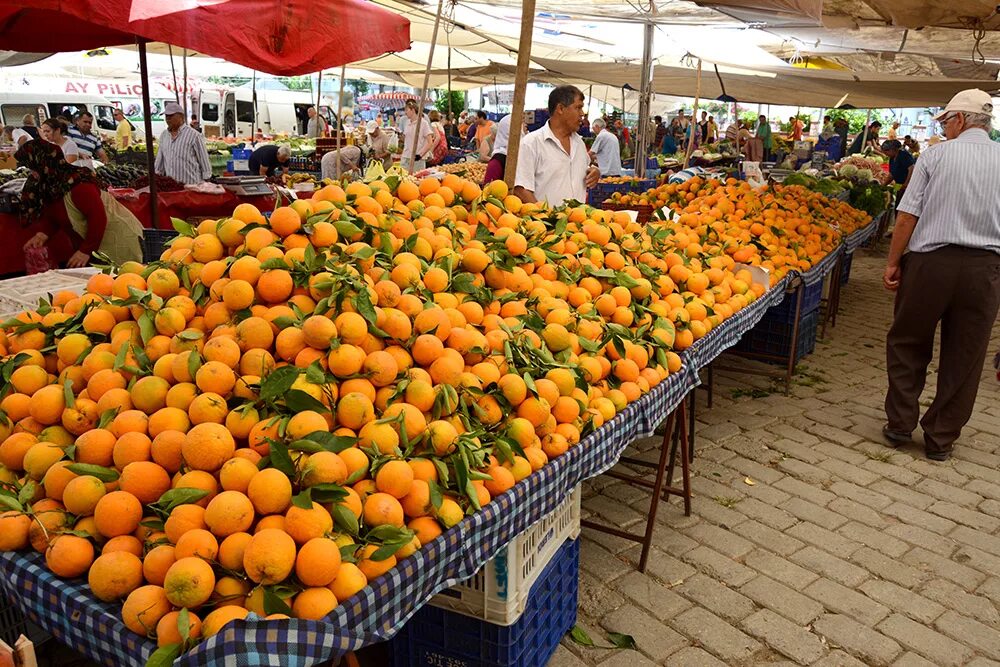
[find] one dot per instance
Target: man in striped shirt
(181, 152)
(949, 221)
(81, 132)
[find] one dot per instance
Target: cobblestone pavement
(841, 551)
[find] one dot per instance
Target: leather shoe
(938, 456)
(896, 438)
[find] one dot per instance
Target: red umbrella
(286, 38)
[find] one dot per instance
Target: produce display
(281, 409)
(780, 228)
(473, 171)
(119, 175)
(7, 175)
(163, 183)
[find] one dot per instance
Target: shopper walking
(606, 150)
(949, 222)
(316, 127)
(764, 137)
(553, 164)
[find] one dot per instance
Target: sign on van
(104, 88)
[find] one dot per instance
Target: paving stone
(887, 568)
(780, 598)
(902, 600)
(833, 434)
(718, 566)
(659, 599)
(905, 494)
(716, 597)
(966, 577)
(876, 539)
(983, 488)
(599, 561)
(716, 635)
(829, 566)
(933, 645)
(916, 517)
(651, 637)
(664, 567)
(838, 658)
(808, 511)
(780, 569)
(849, 471)
(627, 659)
(563, 657)
(723, 541)
(893, 473)
(792, 433)
(860, 641)
(806, 472)
(965, 516)
(672, 541)
(858, 512)
(910, 659)
(952, 494)
(798, 488)
(843, 600)
(943, 473)
(720, 432)
(692, 656)
(825, 539)
(754, 470)
(943, 546)
(768, 537)
(980, 637)
(982, 662)
(595, 597)
(784, 636)
(772, 516)
(860, 494)
(980, 605)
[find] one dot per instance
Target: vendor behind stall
(181, 152)
(378, 144)
(67, 199)
(266, 160)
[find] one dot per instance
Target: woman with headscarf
(67, 199)
(350, 163)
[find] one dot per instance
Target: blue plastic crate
(602, 191)
(785, 311)
(241, 153)
(773, 337)
(436, 637)
(845, 269)
(153, 242)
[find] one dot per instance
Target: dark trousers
(960, 288)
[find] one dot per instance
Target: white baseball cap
(371, 126)
(170, 108)
(969, 101)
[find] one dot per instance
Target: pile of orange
(779, 228)
(280, 409)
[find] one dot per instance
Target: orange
(114, 575)
(269, 557)
(144, 607)
(318, 562)
(189, 582)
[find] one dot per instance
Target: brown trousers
(960, 288)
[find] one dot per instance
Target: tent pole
(423, 89)
(319, 98)
(868, 119)
(147, 122)
(520, 83)
(694, 116)
(642, 138)
(185, 93)
(173, 71)
(340, 116)
(253, 130)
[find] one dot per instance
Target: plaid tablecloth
(858, 238)
(819, 271)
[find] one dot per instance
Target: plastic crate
(439, 637)
(773, 337)
(602, 191)
(499, 593)
(845, 269)
(13, 624)
(785, 311)
(153, 242)
(644, 211)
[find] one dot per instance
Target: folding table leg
(654, 499)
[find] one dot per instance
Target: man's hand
(593, 176)
(891, 277)
(78, 260)
(37, 241)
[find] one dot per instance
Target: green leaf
(347, 554)
(331, 442)
(182, 227)
(435, 494)
(365, 308)
(147, 329)
(184, 623)
(274, 263)
(278, 382)
(344, 519)
(622, 641)
(120, 357)
(299, 401)
(180, 496)
(100, 472)
(165, 655)
(346, 229)
(190, 335)
(68, 396)
(580, 636)
(9, 502)
(328, 492)
(27, 492)
(303, 500)
(274, 604)
(304, 445)
(194, 362)
(280, 458)
(315, 374)
(107, 417)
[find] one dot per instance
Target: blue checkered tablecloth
(854, 241)
(73, 615)
(819, 271)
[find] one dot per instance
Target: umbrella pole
(864, 141)
(253, 130)
(642, 140)
(184, 61)
(520, 83)
(319, 97)
(177, 95)
(147, 122)
(340, 116)
(423, 90)
(694, 116)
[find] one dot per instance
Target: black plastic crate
(785, 311)
(845, 268)
(773, 337)
(153, 242)
(437, 637)
(13, 624)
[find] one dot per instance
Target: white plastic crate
(499, 592)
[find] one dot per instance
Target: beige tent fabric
(919, 13)
(811, 10)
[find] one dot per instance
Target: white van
(15, 105)
(230, 112)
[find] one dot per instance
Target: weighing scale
(245, 186)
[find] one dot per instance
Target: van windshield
(209, 112)
(105, 117)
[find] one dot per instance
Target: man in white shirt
(181, 152)
(949, 223)
(553, 164)
(606, 150)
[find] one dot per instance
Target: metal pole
(864, 141)
(319, 98)
(520, 83)
(147, 122)
(642, 138)
(253, 130)
(173, 71)
(340, 116)
(694, 117)
(185, 97)
(423, 89)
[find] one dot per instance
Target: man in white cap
(378, 144)
(181, 152)
(949, 223)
